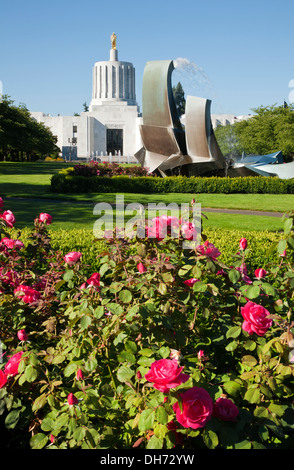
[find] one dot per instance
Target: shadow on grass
(28, 168)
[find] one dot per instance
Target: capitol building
(110, 128)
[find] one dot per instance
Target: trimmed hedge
(64, 183)
(227, 241)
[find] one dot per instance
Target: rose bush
(157, 347)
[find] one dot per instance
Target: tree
(21, 136)
(86, 107)
(271, 129)
(179, 97)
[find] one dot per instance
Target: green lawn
(26, 190)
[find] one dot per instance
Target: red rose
(243, 244)
(225, 409)
(3, 379)
(94, 280)
(11, 368)
(27, 294)
(141, 268)
(191, 282)
(260, 273)
(196, 409)
(72, 399)
(166, 374)
(255, 319)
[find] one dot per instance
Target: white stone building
(110, 129)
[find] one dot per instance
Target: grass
(26, 186)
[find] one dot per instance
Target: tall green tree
(270, 129)
(21, 136)
(179, 97)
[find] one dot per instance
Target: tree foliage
(21, 136)
(179, 96)
(269, 130)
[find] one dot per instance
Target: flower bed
(159, 348)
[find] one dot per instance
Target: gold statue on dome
(113, 41)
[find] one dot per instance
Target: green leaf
(12, 418)
(232, 388)
(252, 395)
(210, 439)
(85, 322)
(124, 374)
(268, 289)
(155, 443)
(125, 296)
(231, 346)
(233, 332)
(282, 245)
(30, 373)
(234, 275)
(199, 286)
(146, 420)
(39, 402)
(252, 291)
(68, 275)
(288, 224)
(131, 346)
(38, 441)
(249, 360)
(243, 445)
(99, 312)
(79, 433)
(116, 309)
(70, 369)
(161, 415)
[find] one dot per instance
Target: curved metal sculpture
(167, 145)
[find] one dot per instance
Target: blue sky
(244, 49)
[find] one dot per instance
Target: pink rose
(45, 218)
(189, 231)
(255, 319)
(72, 399)
(243, 244)
(191, 282)
(141, 268)
(225, 409)
(72, 257)
(208, 249)
(3, 379)
(27, 294)
(260, 273)
(11, 368)
(162, 226)
(8, 217)
(9, 243)
(166, 374)
(22, 336)
(1, 202)
(197, 408)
